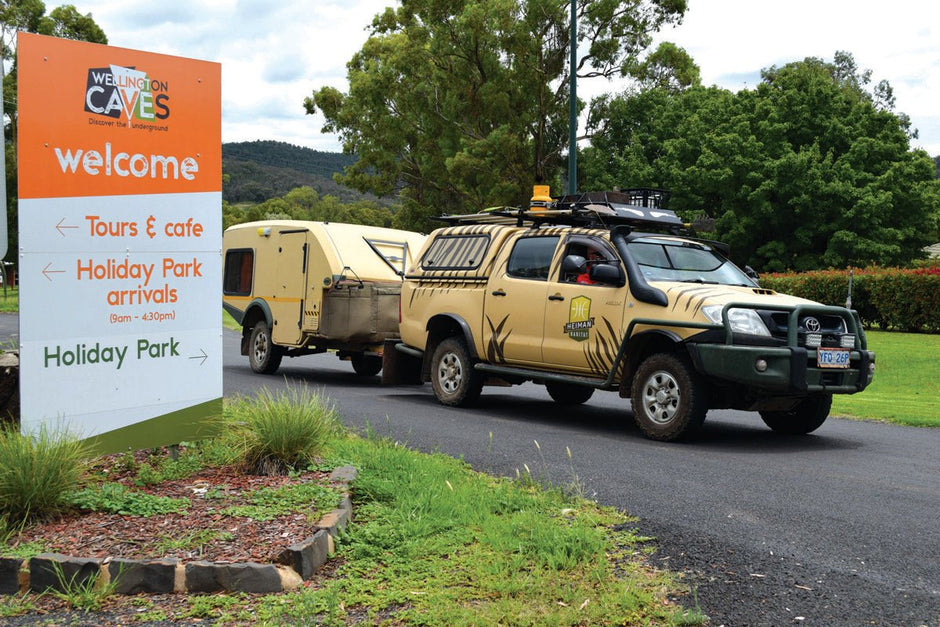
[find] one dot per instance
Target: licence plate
(833, 357)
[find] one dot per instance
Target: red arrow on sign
(61, 226)
(46, 271)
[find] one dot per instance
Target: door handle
(498, 293)
(556, 297)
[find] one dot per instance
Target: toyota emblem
(811, 324)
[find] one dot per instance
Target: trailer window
(456, 252)
(238, 270)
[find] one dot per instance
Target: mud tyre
(455, 382)
(366, 365)
(805, 418)
(669, 398)
(568, 393)
(263, 355)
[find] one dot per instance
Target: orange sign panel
(102, 121)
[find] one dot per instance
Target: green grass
(906, 387)
(39, 474)
(228, 322)
(9, 300)
(277, 432)
(435, 543)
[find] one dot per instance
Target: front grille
(831, 328)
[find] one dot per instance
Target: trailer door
(290, 285)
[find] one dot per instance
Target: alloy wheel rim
(661, 397)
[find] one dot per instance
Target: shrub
(276, 433)
(892, 298)
(38, 473)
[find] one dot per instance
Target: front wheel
(669, 399)
(263, 355)
(366, 365)
(807, 416)
(568, 393)
(453, 378)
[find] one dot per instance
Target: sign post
(120, 197)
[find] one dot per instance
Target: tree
(809, 170)
(30, 16)
(463, 104)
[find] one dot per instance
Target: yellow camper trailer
(299, 288)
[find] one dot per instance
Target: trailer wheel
(805, 418)
(366, 365)
(669, 399)
(263, 355)
(568, 393)
(453, 378)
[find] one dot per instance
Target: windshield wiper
(702, 281)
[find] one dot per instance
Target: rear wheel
(805, 418)
(263, 355)
(669, 399)
(366, 365)
(453, 378)
(568, 393)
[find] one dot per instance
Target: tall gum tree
(463, 104)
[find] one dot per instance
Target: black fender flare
(641, 345)
(443, 325)
(255, 311)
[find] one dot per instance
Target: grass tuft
(276, 433)
(39, 473)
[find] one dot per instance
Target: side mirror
(751, 273)
(607, 273)
(573, 264)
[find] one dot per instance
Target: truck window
(531, 257)
(238, 270)
(456, 252)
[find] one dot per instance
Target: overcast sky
(273, 54)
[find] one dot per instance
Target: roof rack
(640, 207)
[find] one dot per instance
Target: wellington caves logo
(126, 95)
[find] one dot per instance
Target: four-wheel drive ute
(600, 291)
(299, 288)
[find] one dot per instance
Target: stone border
(164, 576)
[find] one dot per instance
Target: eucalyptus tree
(462, 104)
(811, 169)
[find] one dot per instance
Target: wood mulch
(221, 538)
(201, 532)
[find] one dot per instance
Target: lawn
(906, 388)
(9, 300)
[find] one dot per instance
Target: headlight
(742, 320)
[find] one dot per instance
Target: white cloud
(275, 54)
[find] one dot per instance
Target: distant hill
(260, 170)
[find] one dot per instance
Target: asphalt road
(836, 528)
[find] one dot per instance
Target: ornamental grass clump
(38, 473)
(276, 433)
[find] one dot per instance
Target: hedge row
(891, 298)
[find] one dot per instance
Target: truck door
(583, 319)
(289, 286)
(514, 312)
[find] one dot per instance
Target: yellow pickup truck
(602, 291)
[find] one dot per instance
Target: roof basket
(638, 197)
(641, 207)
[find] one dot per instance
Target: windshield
(673, 260)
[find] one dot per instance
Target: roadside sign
(120, 194)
